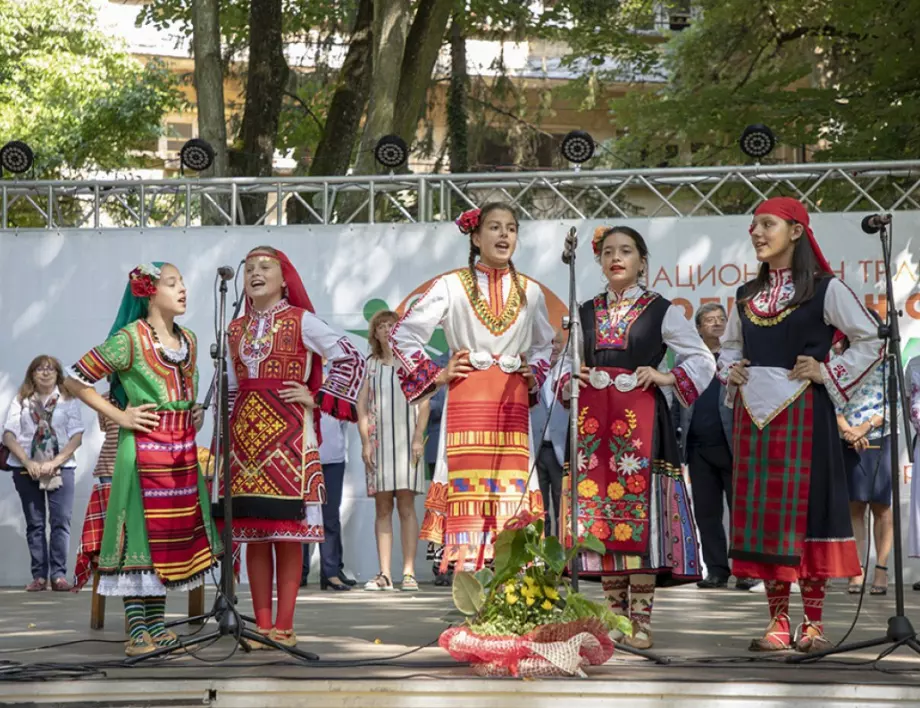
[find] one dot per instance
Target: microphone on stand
(571, 243)
(874, 223)
(225, 272)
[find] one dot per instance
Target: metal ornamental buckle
(623, 382)
(509, 364)
(481, 360)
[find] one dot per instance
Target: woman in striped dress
(392, 446)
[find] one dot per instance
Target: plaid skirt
(790, 508)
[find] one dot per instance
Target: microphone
(225, 272)
(874, 223)
(571, 243)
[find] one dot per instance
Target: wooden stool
(97, 605)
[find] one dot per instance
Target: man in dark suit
(705, 435)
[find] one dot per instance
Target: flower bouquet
(523, 618)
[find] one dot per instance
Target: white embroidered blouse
(769, 389)
(495, 324)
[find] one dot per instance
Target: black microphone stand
(230, 623)
(900, 630)
(573, 324)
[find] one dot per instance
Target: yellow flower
(530, 601)
(527, 592)
(587, 488)
(537, 591)
(547, 605)
(509, 586)
(615, 490)
(551, 593)
(622, 532)
(511, 598)
(530, 581)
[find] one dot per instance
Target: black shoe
(745, 584)
(338, 587)
(916, 586)
(350, 582)
(712, 582)
(303, 582)
(443, 580)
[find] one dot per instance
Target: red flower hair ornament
(468, 221)
(598, 238)
(143, 280)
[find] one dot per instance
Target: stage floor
(702, 631)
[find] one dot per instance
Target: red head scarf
(792, 209)
(296, 295)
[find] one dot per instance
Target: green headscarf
(132, 308)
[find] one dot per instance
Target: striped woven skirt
(485, 481)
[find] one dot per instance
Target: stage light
(757, 141)
(577, 146)
(391, 151)
(196, 155)
(16, 157)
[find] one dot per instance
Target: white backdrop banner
(60, 290)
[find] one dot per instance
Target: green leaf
(593, 543)
(468, 593)
(554, 554)
(484, 576)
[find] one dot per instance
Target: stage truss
(610, 194)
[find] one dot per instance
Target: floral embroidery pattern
(613, 478)
(610, 335)
(496, 324)
(769, 307)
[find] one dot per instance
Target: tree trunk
(457, 126)
(390, 27)
(209, 94)
(343, 120)
(422, 48)
(265, 84)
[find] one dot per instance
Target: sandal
(284, 637)
(641, 638)
(143, 645)
(773, 640)
(880, 589)
(256, 645)
(380, 583)
(61, 585)
(809, 638)
(409, 583)
(856, 588)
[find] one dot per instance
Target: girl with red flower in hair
(496, 323)
(158, 493)
(634, 498)
(790, 507)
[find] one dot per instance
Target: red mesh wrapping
(561, 649)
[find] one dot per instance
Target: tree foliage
(839, 76)
(77, 98)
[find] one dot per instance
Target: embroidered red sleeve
(540, 369)
(686, 389)
(417, 379)
(338, 396)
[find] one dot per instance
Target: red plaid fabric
(91, 538)
(772, 473)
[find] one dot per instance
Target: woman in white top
(43, 429)
(392, 445)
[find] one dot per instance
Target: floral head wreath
(468, 221)
(599, 233)
(143, 280)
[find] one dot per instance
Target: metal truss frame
(405, 198)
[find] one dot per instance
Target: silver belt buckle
(599, 379)
(509, 364)
(481, 361)
(626, 382)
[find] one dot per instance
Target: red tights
(288, 559)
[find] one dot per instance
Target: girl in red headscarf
(276, 394)
(790, 518)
